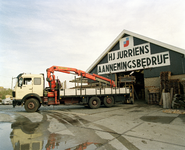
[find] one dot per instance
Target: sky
(37, 34)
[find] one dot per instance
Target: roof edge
(174, 48)
(106, 50)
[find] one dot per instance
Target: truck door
(38, 86)
(25, 87)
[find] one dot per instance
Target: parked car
(7, 101)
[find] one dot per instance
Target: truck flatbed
(94, 91)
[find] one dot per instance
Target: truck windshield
(20, 79)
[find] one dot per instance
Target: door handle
(30, 88)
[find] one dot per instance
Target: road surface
(75, 127)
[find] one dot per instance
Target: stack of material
(175, 85)
(165, 77)
(167, 83)
(153, 95)
(176, 111)
(183, 85)
(169, 87)
(178, 101)
(127, 79)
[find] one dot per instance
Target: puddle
(182, 117)
(55, 131)
(63, 133)
(158, 119)
(5, 141)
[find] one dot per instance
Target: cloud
(40, 33)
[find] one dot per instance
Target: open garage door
(135, 80)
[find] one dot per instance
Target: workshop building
(147, 64)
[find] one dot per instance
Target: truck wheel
(39, 106)
(94, 102)
(108, 101)
(31, 105)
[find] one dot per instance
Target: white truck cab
(28, 83)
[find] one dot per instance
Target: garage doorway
(138, 85)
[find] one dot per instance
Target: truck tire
(31, 105)
(94, 102)
(39, 106)
(108, 101)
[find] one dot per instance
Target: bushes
(4, 92)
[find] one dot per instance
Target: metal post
(81, 86)
(111, 82)
(125, 87)
(75, 86)
(119, 87)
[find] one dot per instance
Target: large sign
(131, 57)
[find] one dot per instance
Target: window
(20, 81)
(25, 146)
(27, 81)
(37, 81)
(36, 146)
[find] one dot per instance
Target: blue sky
(37, 34)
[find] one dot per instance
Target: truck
(31, 92)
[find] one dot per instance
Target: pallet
(154, 98)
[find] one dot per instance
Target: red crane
(95, 77)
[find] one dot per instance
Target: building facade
(141, 57)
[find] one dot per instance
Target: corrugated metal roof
(176, 49)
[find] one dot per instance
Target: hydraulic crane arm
(95, 77)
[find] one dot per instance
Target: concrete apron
(132, 127)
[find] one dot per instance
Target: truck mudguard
(31, 95)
